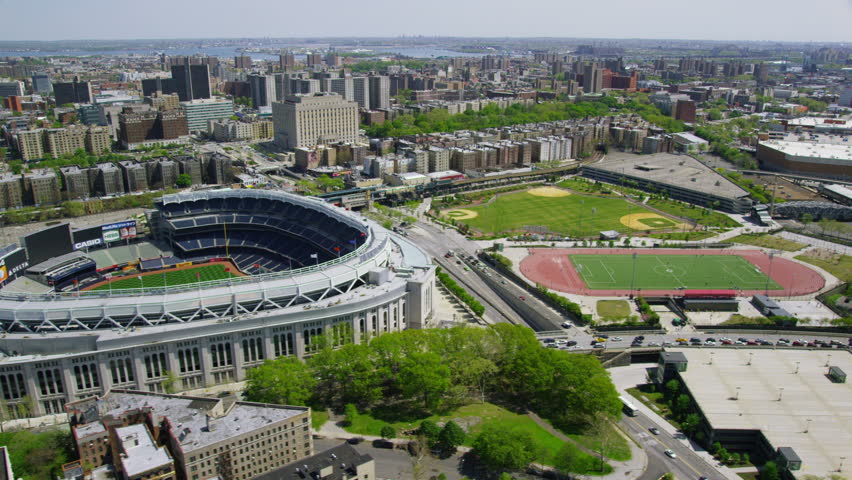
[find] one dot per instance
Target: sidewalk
(630, 376)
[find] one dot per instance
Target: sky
(779, 20)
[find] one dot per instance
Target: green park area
(669, 272)
(557, 211)
(768, 241)
(495, 390)
(169, 278)
(838, 265)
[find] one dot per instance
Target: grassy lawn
(653, 399)
(737, 319)
(170, 277)
(686, 236)
(573, 215)
(711, 218)
(618, 448)
(769, 241)
(579, 185)
(613, 308)
(841, 268)
(748, 475)
(602, 272)
(318, 418)
(473, 417)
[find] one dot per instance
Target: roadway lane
(687, 465)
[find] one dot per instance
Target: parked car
(798, 344)
(571, 343)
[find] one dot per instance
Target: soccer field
(668, 272)
(571, 214)
(170, 278)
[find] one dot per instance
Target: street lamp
(840, 468)
(807, 425)
(768, 277)
(738, 394)
(797, 368)
(633, 277)
(780, 393)
(750, 356)
(828, 360)
(711, 358)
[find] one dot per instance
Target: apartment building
(306, 121)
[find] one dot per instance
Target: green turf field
(668, 272)
(573, 215)
(170, 278)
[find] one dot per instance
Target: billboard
(12, 264)
(119, 231)
(87, 238)
(48, 243)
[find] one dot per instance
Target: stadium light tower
(769, 277)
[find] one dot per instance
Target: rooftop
(141, 453)
(681, 171)
(331, 464)
(188, 415)
(784, 393)
(810, 149)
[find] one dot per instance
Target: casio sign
(88, 243)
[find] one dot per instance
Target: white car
(567, 324)
(710, 344)
(670, 453)
(616, 339)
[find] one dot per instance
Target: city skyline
(727, 20)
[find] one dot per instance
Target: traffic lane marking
(667, 447)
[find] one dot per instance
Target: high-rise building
(72, 92)
(361, 90)
(161, 101)
(685, 111)
(333, 60)
(200, 112)
(242, 61)
(98, 140)
(314, 59)
(29, 144)
(75, 182)
(12, 88)
(192, 82)
(134, 175)
(11, 195)
(341, 86)
(106, 179)
(306, 121)
(147, 127)
(761, 73)
(379, 92)
(165, 86)
(41, 187)
(592, 78)
(59, 141)
(41, 83)
(286, 61)
(262, 90)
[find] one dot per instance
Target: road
(686, 466)
(437, 242)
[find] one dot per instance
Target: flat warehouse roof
(680, 171)
(809, 402)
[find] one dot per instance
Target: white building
(321, 119)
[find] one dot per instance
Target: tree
(682, 404)
(285, 380)
(451, 436)
(690, 423)
(807, 218)
(770, 471)
(170, 383)
(672, 387)
(501, 449)
(351, 413)
(424, 375)
(183, 180)
(388, 432)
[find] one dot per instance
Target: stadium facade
(349, 279)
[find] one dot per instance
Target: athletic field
(557, 211)
(171, 277)
(670, 272)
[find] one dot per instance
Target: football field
(168, 278)
(670, 272)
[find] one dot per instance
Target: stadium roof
(680, 171)
(786, 394)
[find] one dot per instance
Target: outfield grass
(473, 417)
(573, 215)
(709, 218)
(170, 278)
(613, 308)
(842, 268)
(768, 241)
(667, 272)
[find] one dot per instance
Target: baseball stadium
(205, 286)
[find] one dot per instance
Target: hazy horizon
(720, 20)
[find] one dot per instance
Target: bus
(628, 407)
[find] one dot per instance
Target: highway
(687, 465)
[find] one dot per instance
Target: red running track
(552, 268)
